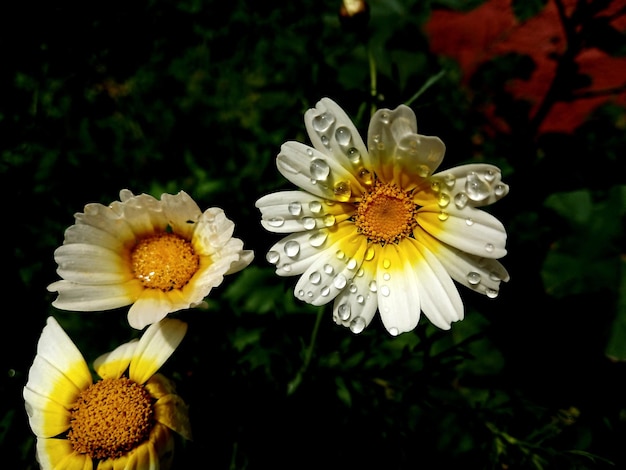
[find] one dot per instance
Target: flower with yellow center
(375, 228)
(124, 420)
(158, 255)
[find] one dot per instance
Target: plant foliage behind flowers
(168, 97)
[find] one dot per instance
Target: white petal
(91, 264)
(144, 214)
(113, 364)
(182, 213)
(90, 235)
(398, 153)
(155, 347)
(475, 185)
(213, 231)
(471, 230)
(296, 211)
(78, 297)
(356, 305)
(149, 309)
(46, 417)
(59, 370)
(293, 254)
(480, 274)
(332, 132)
(105, 219)
(317, 173)
(333, 269)
(246, 257)
(440, 299)
(396, 286)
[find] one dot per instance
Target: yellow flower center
(165, 261)
(110, 418)
(386, 214)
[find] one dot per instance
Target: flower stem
(308, 355)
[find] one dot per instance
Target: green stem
(308, 355)
(430, 82)
(373, 83)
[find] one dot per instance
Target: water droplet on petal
(328, 269)
(329, 220)
(473, 278)
(276, 222)
(449, 180)
(344, 312)
(469, 221)
(443, 216)
(500, 189)
(384, 290)
(357, 325)
(309, 152)
(300, 293)
(273, 256)
(353, 288)
(460, 200)
(443, 200)
(354, 155)
(340, 254)
(423, 171)
(365, 176)
(343, 136)
(292, 248)
(360, 299)
(319, 169)
(393, 331)
(322, 122)
(325, 291)
(295, 208)
(489, 247)
(340, 281)
(476, 189)
(318, 238)
(373, 286)
(386, 276)
(351, 264)
(308, 223)
(315, 278)
(315, 206)
(491, 293)
(386, 263)
(369, 254)
(342, 191)
(325, 141)
(489, 175)
(286, 267)
(435, 186)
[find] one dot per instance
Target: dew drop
(342, 191)
(329, 220)
(276, 222)
(309, 152)
(423, 171)
(286, 267)
(295, 208)
(449, 180)
(300, 293)
(384, 290)
(365, 176)
(340, 281)
(369, 254)
(292, 248)
(315, 278)
(460, 200)
(353, 288)
(384, 118)
(319, 169)
(325, 141)
(328, 269)
(273, 256)
(325, 291)
(344, 312)
(489, 247)
(443, 200)
(489, 175)
(357, 325)
(491, 293)
(318, 238)
(436, 186)
(315, 206)
(351, 264)
(340, 254)
(393, 331)
(443, 216)
(500, 189)
(386, 263)
(360, 299)
(354, 155)
(343, 136)
(476, 189)
(386, 276)
(322, 122)
(473, 278)
(469, 221)
(373, 286)
(308, 223)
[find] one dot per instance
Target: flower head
(124, 420)
(376, 228)
(158, 255)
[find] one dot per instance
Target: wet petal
(470, 230)
(296, 211)
(316, 173)
(398, 153)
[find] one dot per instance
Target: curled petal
(398, 153)
(89, 298)
(113, 364)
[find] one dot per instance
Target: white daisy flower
(376, 228)
(158, 255)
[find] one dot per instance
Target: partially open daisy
(124, 420)
(375, 227)
(158, 255)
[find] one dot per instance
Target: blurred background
(198, 95)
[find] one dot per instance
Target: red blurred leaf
(476, 37)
